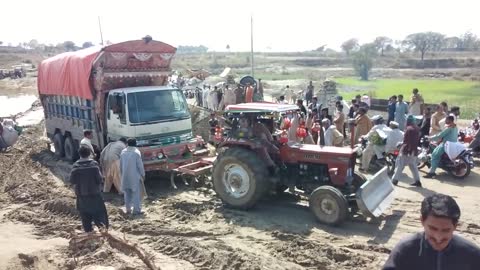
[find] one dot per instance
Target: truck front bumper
(168, 158)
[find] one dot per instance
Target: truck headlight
(160, 155)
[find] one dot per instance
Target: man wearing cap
(449, 134)
(408, 153)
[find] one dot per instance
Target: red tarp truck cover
(68, 74)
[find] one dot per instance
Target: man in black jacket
(87, 180)
(437, 247)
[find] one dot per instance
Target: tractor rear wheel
(328, 205)
(239, 177)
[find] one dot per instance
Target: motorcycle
(375, 164)
(459, 168)
(467, 136)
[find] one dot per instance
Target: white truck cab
(155, 115)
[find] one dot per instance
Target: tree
(1, 42)
(382, 43)
(468, 42)
(228, 47)
(363, 60)
(451, 43)
(33, 44)
(69, 46)
(350, 45)
(321, 48)
(424, 42)
(87, 44)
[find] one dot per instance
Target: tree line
(69, 46)
(422, 43)
(363, 55)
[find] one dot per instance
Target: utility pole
(101, 34)
(251, 43)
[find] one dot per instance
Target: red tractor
(247, 167)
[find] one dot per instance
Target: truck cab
(151, 114)
(159, 118)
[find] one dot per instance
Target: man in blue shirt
(392, 103)
(437, 248)
(450, 134)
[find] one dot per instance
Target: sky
(282, 25)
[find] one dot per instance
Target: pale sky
(293, 25)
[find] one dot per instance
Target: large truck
(119, 90)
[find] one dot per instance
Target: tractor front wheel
(329, 205)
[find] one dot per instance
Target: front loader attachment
(375, 195)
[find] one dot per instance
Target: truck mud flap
(375, 195)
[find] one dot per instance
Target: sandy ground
(190, 228)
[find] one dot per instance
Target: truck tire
(239, 177)
(329, 205)
(58, 144)
(70, 149)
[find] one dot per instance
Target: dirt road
(190, 228)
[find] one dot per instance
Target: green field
(465, 94)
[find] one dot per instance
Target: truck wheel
(71, 150)
(58, 144)
(239, 178)
(328, 205)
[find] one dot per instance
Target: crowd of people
(218, 98)
(406, 124)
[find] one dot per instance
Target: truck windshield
(153, 106)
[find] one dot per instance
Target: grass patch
(465, 94)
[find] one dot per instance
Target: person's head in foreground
(440, 215)
(84, 151)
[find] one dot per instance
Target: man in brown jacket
(339, 119)
(439, 114)
(363, 124)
